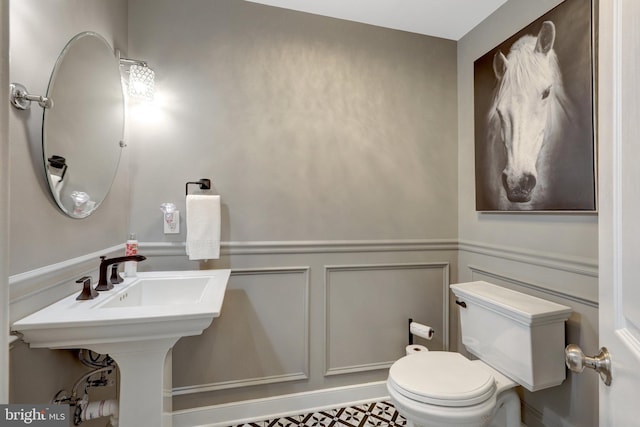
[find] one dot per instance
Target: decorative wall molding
(23, 285)
(223, 385)
(36, 289)
(533, 286)
(247, 382)
(298, 247)
(329, 269)
(238, 413)
(30, 283)
(571, 264)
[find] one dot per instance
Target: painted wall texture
(40, 233)
(310, 128)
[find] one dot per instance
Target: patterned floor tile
(375, 414)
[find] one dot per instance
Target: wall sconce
(141, 79)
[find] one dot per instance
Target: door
(4, 202)
(619, 208)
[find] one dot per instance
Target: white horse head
(526, 111)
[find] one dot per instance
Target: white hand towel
(203, 227)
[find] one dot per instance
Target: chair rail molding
(32, 290)
(555, 261)
(310, 246)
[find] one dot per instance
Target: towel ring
(204, 183)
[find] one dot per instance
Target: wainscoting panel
(368, 307)
(261, 336)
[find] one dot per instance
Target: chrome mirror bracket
(21, 99)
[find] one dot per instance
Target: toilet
(518, 340)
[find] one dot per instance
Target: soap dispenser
(131, 248)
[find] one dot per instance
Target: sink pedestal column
(145, 384)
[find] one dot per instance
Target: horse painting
(529, 126)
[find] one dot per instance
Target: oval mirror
(82, 132)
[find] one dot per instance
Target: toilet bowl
(425, 392)
(519, 341)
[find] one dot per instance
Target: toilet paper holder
(420, 330)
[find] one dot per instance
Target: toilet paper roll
(413, 349)
(100, 408)
(421, 330)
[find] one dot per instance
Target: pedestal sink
(136, 323)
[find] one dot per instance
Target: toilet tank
(517, 334)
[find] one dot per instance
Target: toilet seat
(427, 378)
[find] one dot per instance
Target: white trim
(237, 413)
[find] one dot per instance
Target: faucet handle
(87, 290)
(115, 277)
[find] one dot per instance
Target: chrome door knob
(576, 361)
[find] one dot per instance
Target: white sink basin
(153, 304)
(136, 323)
(157, 291)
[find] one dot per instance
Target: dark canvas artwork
(534, 116)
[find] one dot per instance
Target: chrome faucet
(105, 262)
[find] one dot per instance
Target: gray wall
(333, 147)
(40, 234)
(550, 256)
(310, 128)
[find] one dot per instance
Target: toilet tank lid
(517, 305)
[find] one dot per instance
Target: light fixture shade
(141, 82)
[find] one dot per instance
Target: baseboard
(237, 413)
(532, 416)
